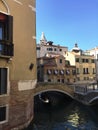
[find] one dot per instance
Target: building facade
(85, 64)
(55, 69)
(45, 47)
(17, 63)
(93, 51)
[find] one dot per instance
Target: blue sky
(66, 22)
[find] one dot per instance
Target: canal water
(69, 115)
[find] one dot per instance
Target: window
(58, 80)
(49, 49)
(60, 60)
(93, 61)
(87, 71)
(3, 81)
(87, 60)
(49, 72)
(83, 70)
(3, 114)
(38, 48)
(55, 49)
(49, 80)
(74, 72)
(67, 62)
(83, 60)
(6, 35)
(55, 72)
(6, 27)
(60, 49)
(94, 71)
(77, 70)
(67, 72)
(77, 59)
(61, 72)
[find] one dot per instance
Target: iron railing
(6, 49)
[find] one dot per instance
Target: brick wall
(20, 108)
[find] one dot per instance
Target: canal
(67, 115)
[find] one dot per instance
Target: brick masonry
(20, 108)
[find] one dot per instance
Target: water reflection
(68, 116)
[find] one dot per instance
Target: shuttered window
(6, 27)
(6, 35)
(10, 29)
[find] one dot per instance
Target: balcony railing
(6, 49)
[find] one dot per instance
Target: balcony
(6, 49)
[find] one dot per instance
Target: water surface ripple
(66, 116)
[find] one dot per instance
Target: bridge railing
(84, 89)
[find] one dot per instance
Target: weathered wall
(21, 79)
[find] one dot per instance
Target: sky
(66, 22)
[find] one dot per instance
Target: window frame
(6, 113)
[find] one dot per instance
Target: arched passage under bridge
(54, 90)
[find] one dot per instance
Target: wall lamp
(31, 66)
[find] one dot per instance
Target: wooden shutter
(10, 29)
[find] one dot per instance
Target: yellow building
(17, 62)
(85, 64)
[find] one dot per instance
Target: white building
(71, 55)
(45, 47)
(94, 52)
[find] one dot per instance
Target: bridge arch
(48, 90)
(58, 88)
(93, 100)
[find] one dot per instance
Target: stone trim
(18, 2)
(32, 8)
(26, 84)
(5, 4)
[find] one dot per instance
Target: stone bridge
(63, 88)
(86, 94)
(89, 98)
(83, 94)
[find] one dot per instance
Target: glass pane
(2, 113)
